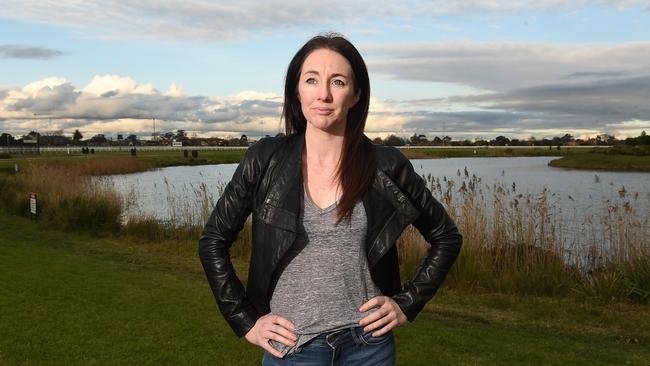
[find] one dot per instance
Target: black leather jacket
(268, 183)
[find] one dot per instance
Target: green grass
(483, 152)
(597, 161)
(148, 159)
(74, 299)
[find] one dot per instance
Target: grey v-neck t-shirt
(323, 287)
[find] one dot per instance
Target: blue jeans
(350, 346)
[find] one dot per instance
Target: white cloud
(33, 88)
(118, 104)
(175, 90)
(102, 84)
(112, 104)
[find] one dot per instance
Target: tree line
(57, 138)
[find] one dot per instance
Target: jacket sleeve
(225, 222)
(440, 233)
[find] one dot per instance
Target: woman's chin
(328, 126)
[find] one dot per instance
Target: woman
(328, 205)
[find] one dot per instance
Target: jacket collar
(283, 202)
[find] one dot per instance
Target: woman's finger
(378, 323)
(283, 322)
(278, 338)
(372, 303)
(387, 328)
(268, 348)
(283, 332)
(370, 318)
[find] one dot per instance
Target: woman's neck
(321, 147)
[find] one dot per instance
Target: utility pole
(154, 129)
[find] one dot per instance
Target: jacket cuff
(242, 322)
(407, 302)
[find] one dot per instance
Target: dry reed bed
(515, 243)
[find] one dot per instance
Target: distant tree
(446, 140)
(33, 135)
(642, 139)
(437, 141)
(132, 138)
(98, 139)
(501, 141)
(244, 139)
(168, 135)
(393, 140)
(6, 139)
(566, 138)
(77, 136)
(180, 135)
(418, 139)
(377, 141)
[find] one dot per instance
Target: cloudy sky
(467, 69)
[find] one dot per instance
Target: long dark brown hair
(358, 163)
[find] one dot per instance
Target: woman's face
(326, 90)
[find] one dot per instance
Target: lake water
(580, 196)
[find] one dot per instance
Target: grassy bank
(143, 161)
(75, 299)
(595, 161)
(484, 152)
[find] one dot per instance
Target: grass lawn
(618, 162)
(72, 299)
(151, 159)
(484, 152)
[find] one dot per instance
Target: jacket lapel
(387, 219)
(283, 201)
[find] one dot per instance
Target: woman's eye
(338, 82)
(310, 81)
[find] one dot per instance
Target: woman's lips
(324, 110)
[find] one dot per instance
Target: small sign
(177, 143)
(32, 203)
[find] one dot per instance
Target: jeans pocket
(369, 340)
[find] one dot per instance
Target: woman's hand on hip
(387, 316)
(273, 327)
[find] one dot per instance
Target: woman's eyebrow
(333, 75)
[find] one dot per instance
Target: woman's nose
(324, 92)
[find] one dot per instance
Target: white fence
(77, 149)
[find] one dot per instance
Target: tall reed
(66, 197)
(514, 243)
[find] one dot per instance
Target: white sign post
(32, 205)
